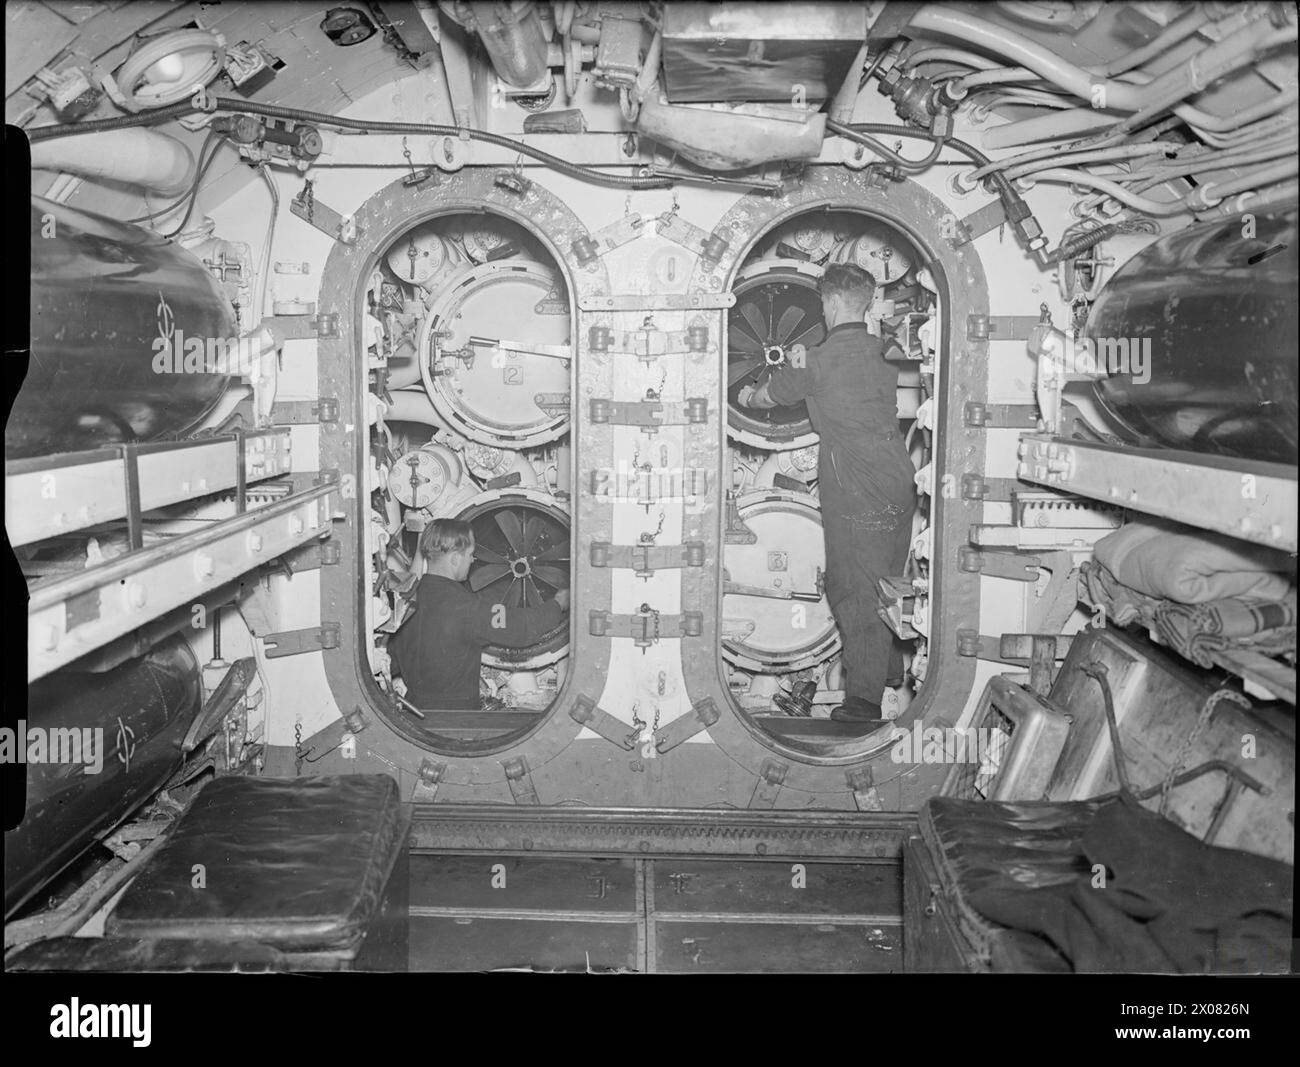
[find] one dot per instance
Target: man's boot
(860, 710)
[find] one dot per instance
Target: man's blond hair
(445, 536)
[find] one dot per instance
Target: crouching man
(439, 648)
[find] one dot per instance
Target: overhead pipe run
(1190, 77)
(1075, 121)
(1234, 52)
(232, 105)
(975, 31)
(137, 157)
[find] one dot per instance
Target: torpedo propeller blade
(552, 576)
(741, 370)
(512, 528)
(486, 575)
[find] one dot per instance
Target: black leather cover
(1105, 885)
(297, 864)
(978, 845)
(990, 845)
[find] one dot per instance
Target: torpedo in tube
(654, 488)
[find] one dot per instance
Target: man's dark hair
(849, 281)
(444, 536)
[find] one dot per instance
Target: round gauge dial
(417, 257)
(876, 254)
(418, 479)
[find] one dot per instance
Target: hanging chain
(638, 724)
(298, 752)
(406, 151)
(1202, 721)
(648, 538)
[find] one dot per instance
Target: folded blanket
(1124, 606)
(1196, 631)
(1172, 562)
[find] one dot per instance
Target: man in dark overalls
(864, 479)
(439, 650)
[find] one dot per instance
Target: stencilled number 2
(512, 375)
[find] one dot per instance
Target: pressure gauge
(418, 479)
(813, 241)
(485, 461)
(804, 459)
(416, 258)
(877, 254)
(485, 241)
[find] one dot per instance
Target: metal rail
(1241, 498)
(53, 495)
(72, 615)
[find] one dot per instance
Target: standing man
(439, 650)
(864, 479)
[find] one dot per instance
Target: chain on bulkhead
(639, 724)
(649, 537)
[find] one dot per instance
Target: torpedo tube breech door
(473, 425)
(780, 643)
